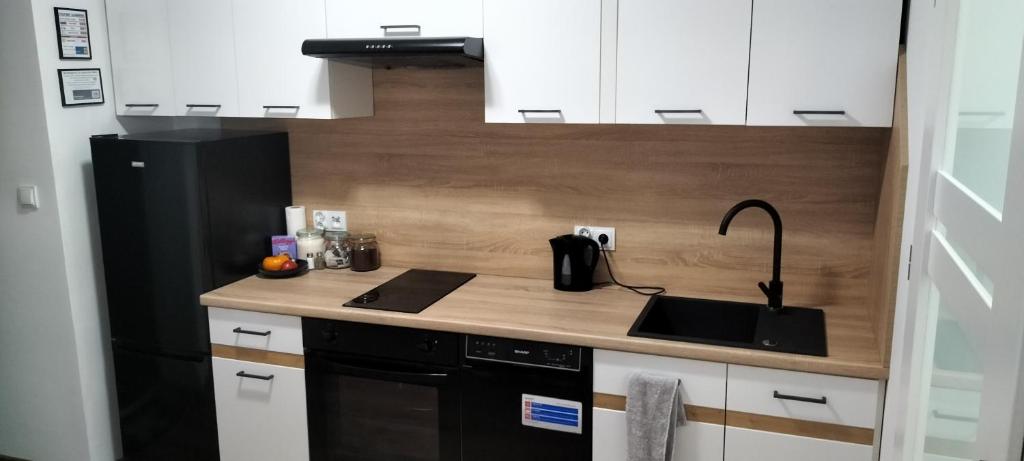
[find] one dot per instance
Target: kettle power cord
(640, 290)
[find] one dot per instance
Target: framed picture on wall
(72, 33)
(80, 87)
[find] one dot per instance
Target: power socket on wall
(593, 232)
(330, 220)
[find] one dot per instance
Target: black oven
(381, 393)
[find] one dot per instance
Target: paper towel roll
(295, 219)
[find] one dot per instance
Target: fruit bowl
(302, 268)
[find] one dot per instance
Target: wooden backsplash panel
(444, 190)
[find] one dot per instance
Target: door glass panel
(955, 385)
(369, 420)
(983, 95)
(972, 266)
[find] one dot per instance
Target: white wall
(41, 405)
(69, 131)
(57, 399)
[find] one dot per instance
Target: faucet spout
(774, 288)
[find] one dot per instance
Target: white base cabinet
(845, 401)
(751, 445)
(257, 418)
(703, 385)
(767, 408)
(693, 441)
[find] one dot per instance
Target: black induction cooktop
(411, 292)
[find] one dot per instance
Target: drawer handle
(401, 26)
(141, 105)
(281, 107)
(540, 111)
(240, 331)
(819, 112)
(820, 400)
(242, 374)
(204, 106)
(678, 111)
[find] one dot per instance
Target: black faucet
(774, 289)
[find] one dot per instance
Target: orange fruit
(274, 263)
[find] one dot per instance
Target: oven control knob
(427, 345)
(330, 335)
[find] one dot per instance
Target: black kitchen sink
(796, 330)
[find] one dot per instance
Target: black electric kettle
(575, 259)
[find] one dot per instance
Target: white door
(140, 55)
(961, 381)
(404, 18)
(542, 61)
(823, 62)
(203, 54)
(682, 61)
(274, 78)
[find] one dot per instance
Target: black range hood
(400, 52)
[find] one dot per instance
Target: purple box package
(283, 244)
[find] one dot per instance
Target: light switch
(28, 197)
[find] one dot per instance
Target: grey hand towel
(654, 409)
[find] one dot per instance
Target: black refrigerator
(180, 213)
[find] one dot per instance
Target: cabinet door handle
(141, 105)
(819, 112)
(678, 111)
(242, 374)
(540, 111)
(281, 107)
(820, 400)
(981, 113)
(964, 419)
(401, 26)
(241, 331)
(192, 106)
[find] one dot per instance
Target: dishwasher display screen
(552, 414)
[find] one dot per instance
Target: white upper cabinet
(823, 62)
(274, 78)
(404, 18)
(140, 51)
(682, 61)
(203, 53)
(542, 61)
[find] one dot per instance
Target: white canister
(310, 242)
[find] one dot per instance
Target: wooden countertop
(531, 309)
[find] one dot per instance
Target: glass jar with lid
(310, 242)
(365, 253)
(338, 250)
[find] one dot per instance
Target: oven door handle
(424, 378)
